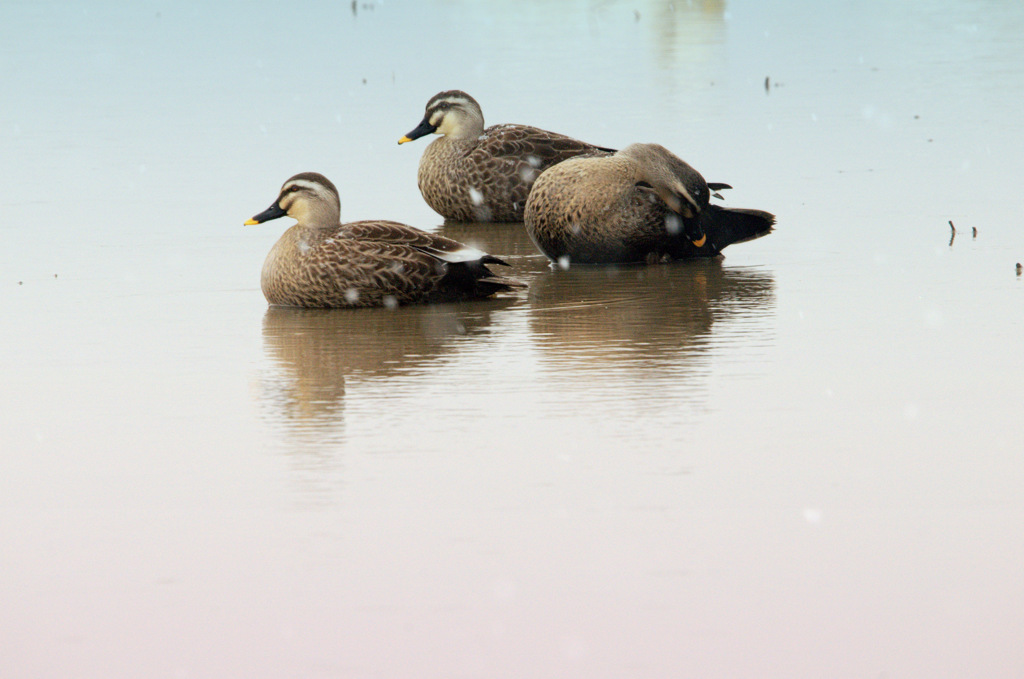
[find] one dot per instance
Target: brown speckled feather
(371, 263)
(396, 233)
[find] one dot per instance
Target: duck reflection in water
(654, 321)
(313, 353)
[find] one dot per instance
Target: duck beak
(272, 212)
(696, 234)
(422, 129)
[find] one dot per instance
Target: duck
(641, 204)
(320, 262)
(477, 174)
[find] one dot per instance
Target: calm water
(802, 461)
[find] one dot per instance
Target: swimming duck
(472, 174)
(319, 262)
(640, 204)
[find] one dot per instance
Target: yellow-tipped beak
(700, 243)
(403, 140)
(250, 222)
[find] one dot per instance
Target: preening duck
(640, 204)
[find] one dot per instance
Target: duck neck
(467, 126)
(319, 218)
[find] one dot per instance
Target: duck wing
(438, 247)
(539, 148)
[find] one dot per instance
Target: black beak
(272, 212)
(422, 129)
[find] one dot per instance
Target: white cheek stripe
(457, 101)
(321, 191)
(306, 184)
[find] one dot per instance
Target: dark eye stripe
(446, 106)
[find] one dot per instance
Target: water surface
(800, 461)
